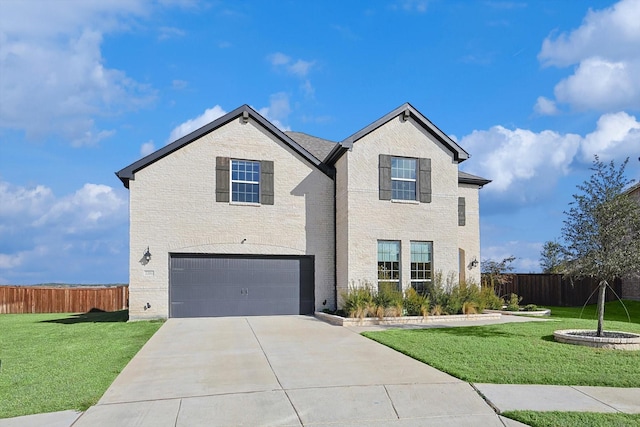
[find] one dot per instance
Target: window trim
(258, 182)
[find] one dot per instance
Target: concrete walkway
(298, 371)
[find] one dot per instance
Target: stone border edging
(537, 313)
(404, 320)
(565, 336)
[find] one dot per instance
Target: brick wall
(173, 210)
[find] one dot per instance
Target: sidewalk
(510, 397)
(502, 397)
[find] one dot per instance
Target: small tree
(602, 230)
(496, 274)
(552, 258)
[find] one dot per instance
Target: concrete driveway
(280, 371)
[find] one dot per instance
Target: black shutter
(424, 180)
(266, 182)
(222, 179)
(462, 218)
(384, 172)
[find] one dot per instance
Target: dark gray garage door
(212, 286)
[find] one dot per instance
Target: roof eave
(481, 182)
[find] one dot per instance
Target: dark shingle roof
(319, 147)
(467, 178)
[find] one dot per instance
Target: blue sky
(531, 89)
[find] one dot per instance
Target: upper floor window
(245, 181)
(403, 178)
(248, 181)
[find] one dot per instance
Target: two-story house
(240, 218)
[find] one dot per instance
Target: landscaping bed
(534, 313)
(402, 320)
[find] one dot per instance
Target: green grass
(54, 362)
(614, 310)
(523, 353)
(574, 419)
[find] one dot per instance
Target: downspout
(335, 242)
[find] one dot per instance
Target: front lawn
(523, 353)
(55, 362)
(574, 419)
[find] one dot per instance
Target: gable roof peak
(407, 111)
(245, 112)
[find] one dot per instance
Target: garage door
(212, 286)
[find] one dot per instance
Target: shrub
(461, 293)
(514, 303)
(530, 307)
(437, 310)
(389, 298)
(469, 307)
(357, 300)
(489, 300)
(416, 304)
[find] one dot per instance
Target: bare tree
(602, 230)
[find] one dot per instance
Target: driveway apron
(280, 371)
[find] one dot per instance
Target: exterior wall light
(147, 255)
(474, 263)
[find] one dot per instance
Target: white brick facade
(173, 207)
(173, 210)
(363, 219)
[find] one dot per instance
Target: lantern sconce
(146, 257)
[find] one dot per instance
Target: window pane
(403, 190)
(403, 168)
(389, 262)
(421, 265)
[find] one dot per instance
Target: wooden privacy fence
(80, 299)
(554, 289)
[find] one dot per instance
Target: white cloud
(526, 165)
(170, 32)
(611, 33)
(279, 58)
(52, 68)
(419, 6)
(606, 48)
(298, 67)
(73, 238)
(189, 126)
(601, 85)
(527, 260)
(11, 261)
(520, 162)
(93, 205)
(23, 202)
(179, 84)
(545, 107)
(617, 136)
(278, 110)
(147, 148)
